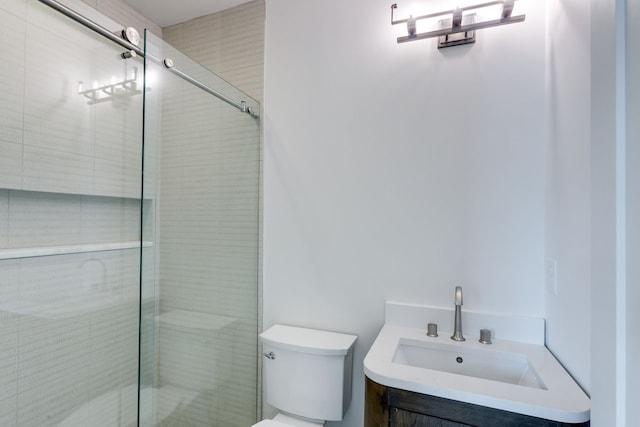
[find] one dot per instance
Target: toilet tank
(307, 371)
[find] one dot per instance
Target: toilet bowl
(307, 375)
(282, 420)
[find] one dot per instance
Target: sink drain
(459, 359)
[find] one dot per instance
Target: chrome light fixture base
(457, 39)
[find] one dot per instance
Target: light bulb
(411, 25)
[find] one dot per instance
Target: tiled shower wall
(230, 43)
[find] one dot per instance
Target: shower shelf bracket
(111, 90)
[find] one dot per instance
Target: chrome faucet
(457, 327)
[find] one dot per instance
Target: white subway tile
(53, 351)
(42, 219)
(39, 406)
(113, 350)
(57, 171)
(12, 32)
(174, 35)
(55, 116)
(15, 7)
(109, 178)
(123, 14)
(10, 167)
(4, 218)
(9, 329)
(154, 28)
(8, 411)
(101, 220)
(92, 3)
(48, 285)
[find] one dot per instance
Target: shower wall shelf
(68, 249)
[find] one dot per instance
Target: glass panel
(70, 164)
(207, 246)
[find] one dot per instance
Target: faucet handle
(458, 297)
(485, 336)
(432, 330)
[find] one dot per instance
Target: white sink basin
(512, 376)
(506, 367)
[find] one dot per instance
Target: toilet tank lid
(308, 340)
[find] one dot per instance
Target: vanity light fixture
(456, 26)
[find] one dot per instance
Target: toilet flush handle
(271, 355)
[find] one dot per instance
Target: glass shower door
(70, 160)
(207, 201)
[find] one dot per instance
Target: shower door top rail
(70, 13)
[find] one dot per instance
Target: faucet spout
(458, 298)
(457, 326)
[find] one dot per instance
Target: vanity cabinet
(392, 407)
(401, 418)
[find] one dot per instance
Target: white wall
(568, 310)
(398, 171)
(607, 215)
(633, 207)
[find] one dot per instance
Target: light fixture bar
(455, 25)
(443, 13)
(463, 28)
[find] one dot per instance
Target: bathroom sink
(506, 367)
(516, 373)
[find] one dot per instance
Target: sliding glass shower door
(129, 197)
(70, 196)
(206, 242)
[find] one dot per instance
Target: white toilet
(307, 375)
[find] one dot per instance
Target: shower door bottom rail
(43, 251)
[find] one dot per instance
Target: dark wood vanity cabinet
(392, 407)
(402, 418)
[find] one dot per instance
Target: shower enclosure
(129, 180)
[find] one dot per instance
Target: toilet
(307, 374)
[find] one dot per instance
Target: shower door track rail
(242, 105)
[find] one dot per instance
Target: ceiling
(170, 12)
